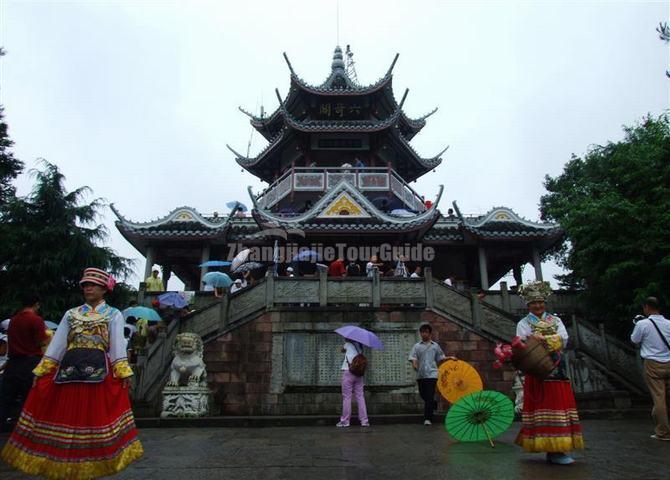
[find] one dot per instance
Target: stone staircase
(605, 371)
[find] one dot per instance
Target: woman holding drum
(550, 422)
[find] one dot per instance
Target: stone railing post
(376, 289)
(428, 285)
(477, 313)
(603, 337)
(223, 311)
(323, 288)
(269, 290)
(575, 332)
(141, 292)
(504, 295)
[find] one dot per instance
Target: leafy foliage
(614, 205)
(49, 238)
(10, 167)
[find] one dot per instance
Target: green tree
(10, 167)
(51, 236)
(614, 205)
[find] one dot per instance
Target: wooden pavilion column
(150, 256)
(203, 270)
(537, 263)
(483, 269)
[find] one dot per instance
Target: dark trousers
(16, 384)
(427, 392)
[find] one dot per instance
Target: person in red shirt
(337, 268)
(26, 336)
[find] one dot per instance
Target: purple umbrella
(172, 299)
(360, 335)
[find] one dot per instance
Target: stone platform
(616, 449)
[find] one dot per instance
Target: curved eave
(249, 162)
(345, 126)
(425, 164)
(351, 90)
(552, 233)
(180, 214)
(431, 214)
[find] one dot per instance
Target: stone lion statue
(187, 363)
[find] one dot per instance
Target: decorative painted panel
(308, 181)
(335, 178)
(373, 181)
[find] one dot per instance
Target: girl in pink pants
(352, 385)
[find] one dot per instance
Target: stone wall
(256, 368)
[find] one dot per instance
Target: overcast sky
(137, 99)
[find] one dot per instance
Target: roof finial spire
(338, 62)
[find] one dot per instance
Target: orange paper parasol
(456, 379)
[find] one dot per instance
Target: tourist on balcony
(346, 166)
(240, 213)
(337, 268)
(77, 422)
(653, 336)
(289, 272)
(353, 269)
(352, 386)
(549, 420)
(416, 273)
(358, 163)
(401, 268)
(154, 282)
(372, 265)
(425, 356)
(236, 286)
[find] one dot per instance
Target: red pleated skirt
(74, 430)
(550, 422)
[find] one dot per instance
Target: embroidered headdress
(98, 277)
(536, 291)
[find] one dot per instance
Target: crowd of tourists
(66, 396)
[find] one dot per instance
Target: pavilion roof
(317, 216)
(338, 83)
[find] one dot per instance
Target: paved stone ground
(616, 449)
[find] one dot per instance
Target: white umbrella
(239, 259)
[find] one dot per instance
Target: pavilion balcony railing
(322, 179)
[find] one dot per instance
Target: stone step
(326, 420)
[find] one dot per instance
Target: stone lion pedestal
(186, 393)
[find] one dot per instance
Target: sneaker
(342, 424)
(366, 424)
(427, 422)
(663, 439)
(560, 459)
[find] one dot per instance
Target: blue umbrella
(217, 280)
(237, 206)
(215, 263)
(145, 313)
(51, 325)
(306, 256)
(172, 299)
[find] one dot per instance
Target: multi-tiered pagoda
(338, 165)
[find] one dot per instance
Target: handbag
(358, 364)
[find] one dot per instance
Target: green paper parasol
(480, 416)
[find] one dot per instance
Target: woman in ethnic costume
(77, 422)
(549, 418)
